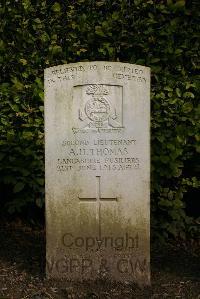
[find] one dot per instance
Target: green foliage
(159, 34)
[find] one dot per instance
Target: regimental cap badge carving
(97, 89)
(97, 109)
(101, 108)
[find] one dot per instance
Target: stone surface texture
(97, 168)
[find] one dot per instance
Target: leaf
(178, 92)
(188, 95)
(41, 108)
(27, 135)
(40, 181)
(115, 15)
(98, 31)
(17, 84)
(23, 61)
(26, 4)
(156, 68)
(56, 7)
(167, 88)
(177, 172)
(55, 49)
(39, 202)
(18, 187)
(15, 107)
(165, 203)
(153, 60)
(187, 107)
(41, 95)
(180, 3)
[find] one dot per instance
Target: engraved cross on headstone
(99, 199)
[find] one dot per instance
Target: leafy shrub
(159, 34)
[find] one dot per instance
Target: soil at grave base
(175, 273)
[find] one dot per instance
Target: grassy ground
(175, 272)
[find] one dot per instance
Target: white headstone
(97, 140)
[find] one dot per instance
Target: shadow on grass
(23, 247)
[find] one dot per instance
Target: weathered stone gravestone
(97, 128)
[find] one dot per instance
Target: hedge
(163, 35)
